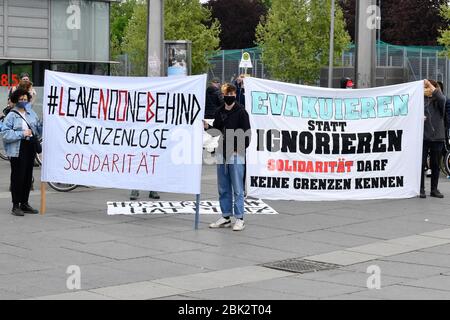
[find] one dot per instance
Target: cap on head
(215, 80)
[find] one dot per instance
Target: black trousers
(22, 173)
(434, 149)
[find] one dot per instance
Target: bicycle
(60, 187)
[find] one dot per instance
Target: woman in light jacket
(19, 146)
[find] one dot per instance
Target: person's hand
(205, 125)
(27, 133)
(429, 88)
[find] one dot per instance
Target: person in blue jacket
(20, 129)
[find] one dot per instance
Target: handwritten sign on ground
(182, 207)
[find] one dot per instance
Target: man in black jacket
(214, 99)
(232, 124)
(434, 135)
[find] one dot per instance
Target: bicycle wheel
(3, 155)
(62, 187)
(38, 159)
(447, 163)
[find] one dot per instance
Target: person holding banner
(434, 136)
(232, 124)
(20, 133)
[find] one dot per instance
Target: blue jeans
(230, 179)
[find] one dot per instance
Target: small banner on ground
(182, 207)
(315, 144)
(122, 132)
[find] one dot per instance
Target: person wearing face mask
(232, 124)
(20, 129)
(434, 135)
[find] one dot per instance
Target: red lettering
(61, 113)
(68, 161)
(150, 102)
(81, 165)
(102, 105)
(271, 165)
(105, 163)
(125, 109)
(114, 163)
(154, 163)
(76, 156)
(319, 167)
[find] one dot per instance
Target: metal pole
(197, 211)
(379, 33)
(331, 61)
(223, 66)
(365, 71)
(155, 38)
(421, 67)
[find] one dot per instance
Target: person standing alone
(232, 124)
(434, 136)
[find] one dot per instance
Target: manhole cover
(300, 266)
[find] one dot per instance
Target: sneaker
(153, 195)
(16, 211)
(423, 195)
(239, 225)
(436, 194)
(26, 208)
(221, 223)
(134, 195)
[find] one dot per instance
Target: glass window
(80, 30)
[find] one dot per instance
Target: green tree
(295, 39)
(184, 20)
(120, 15)
(444, 38)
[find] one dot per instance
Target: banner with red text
(122, 132)
(315, 144)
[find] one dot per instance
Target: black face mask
(229, 100)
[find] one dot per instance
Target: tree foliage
(120, 14)
(183, 20)
(444, 38)
(295, 39)
(403, 22)
(239, 19)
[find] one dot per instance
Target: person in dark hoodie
(214, 99)
(232, 124)
(447, 110)
(434, 135)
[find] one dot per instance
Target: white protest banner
(315, 144)
(122, 132)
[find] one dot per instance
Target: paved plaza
(163, 257)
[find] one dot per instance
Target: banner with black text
(315, 144)
(123, 132)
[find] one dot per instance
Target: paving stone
(306, 288)
(342, 258)
(138, 291)
(114, 250)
